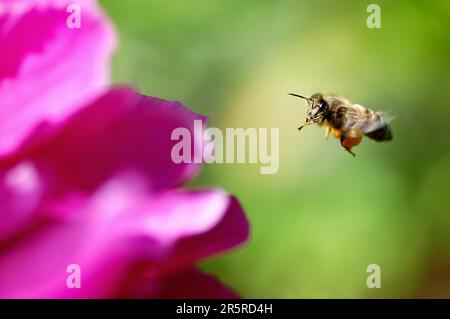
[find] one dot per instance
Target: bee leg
(337, 133)
(349, 151)
(327, 132)
(350, 139)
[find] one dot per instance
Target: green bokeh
(319, 222)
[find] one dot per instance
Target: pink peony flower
(86, 176)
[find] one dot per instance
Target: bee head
(317, 109)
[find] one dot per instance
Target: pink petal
(21, 193)
(122, 131)
(107, 233)
(189, 283)
(194, 284)
(48, 71)
(230, 231)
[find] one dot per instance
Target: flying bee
(350, 122)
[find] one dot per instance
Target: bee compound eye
(322, 104)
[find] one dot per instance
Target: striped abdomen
(384, 133)
(371, 123)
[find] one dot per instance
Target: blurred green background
(319, 222)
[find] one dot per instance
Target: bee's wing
(364, 119)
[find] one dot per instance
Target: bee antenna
(305, 124)
(302, 97)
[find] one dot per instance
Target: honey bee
(350, 122)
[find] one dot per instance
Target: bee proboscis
(350, 122)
